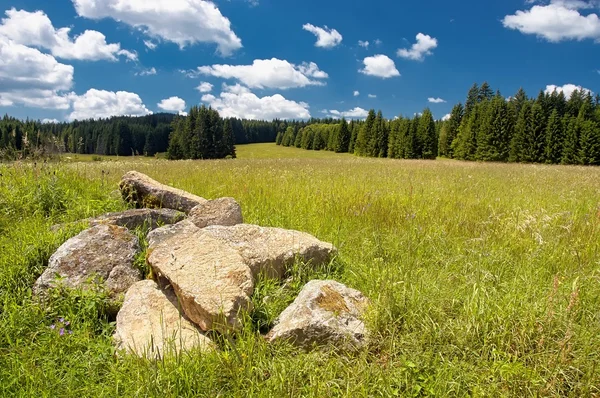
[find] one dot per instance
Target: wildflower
(61, 332)
(53, 326)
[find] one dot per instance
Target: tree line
(550, 128)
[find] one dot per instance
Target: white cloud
(557, 21)
(378, 42)
(567, 89)
(96, 104)
(436, 100)
(380, 66)
(420, 49)
(31, 78)
(35, 29)
(364, 44)
(372, 96)
(147, 72)
(447, 117)
(356, 93)
(238, 101)
(48, 121)
(173, 104)
(356, 113)
(268, 73)
(184, 22)
(205, 87)
(326, 38)
(150, 44)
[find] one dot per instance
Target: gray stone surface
(222, 211)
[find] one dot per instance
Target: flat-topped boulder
(104, 253)
(325, 313)
(271, 250)
(211, 279)
(150, 324)
(142, 191)
(222, 211)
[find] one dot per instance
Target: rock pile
(206, 266)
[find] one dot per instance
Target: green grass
(484, 278)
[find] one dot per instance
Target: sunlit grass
(485, 278)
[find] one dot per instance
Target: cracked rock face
(325, 313)
(150, 325)
(104, 253)
(143, 191)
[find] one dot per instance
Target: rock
(150, 324)
(105, 252)
(211, 279)
(132, 219)
(271, 250)
(162, 234)
(325, 313)
(223, 211)
(143, 191)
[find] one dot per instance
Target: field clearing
(485, 278)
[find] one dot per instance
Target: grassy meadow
(484, 278)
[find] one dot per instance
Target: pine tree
(228, 140)
(298, 140)
(464, 146)
(490, 130)
(472, 99)
(353, 135)
(535, 137)
(554, 139)
(342, 138)
(279, 138)
(485, 93)
(365, 136)
(517, 144)
(570, 154)
(427, 135)
(452, 126)
(589, 143)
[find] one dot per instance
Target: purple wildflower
(61, 320)
(67, 323)
(61, 332)
(53, 326)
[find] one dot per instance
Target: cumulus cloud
(436, 100)
(380, 66)
(356, 113)
(35, 29)
(50, 121)
(326, 38)
(364, 44)
(95, 104)
(205, 87)
(31, 78)
(238, 101)
(147, 72)
(558, 21)
(269, 73)
(446, 117)
(420, 49)
(567, 89)
(184, 22)
(356, 93)
(172, 104)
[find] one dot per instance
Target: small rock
(211, 280)
(325, 313)
(105, 252)
(222, 211)
(143, 191)
(150, 325)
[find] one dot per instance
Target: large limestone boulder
(150, 325)
(325, 313)
(222, 211)
(162, 234)
(135, 218)
(211, 279)
(103, 252)
(271, 250)
(143, 191)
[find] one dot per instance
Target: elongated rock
(143, 191)
(103, 252)
(211, 280)
(150, 324)
(135, 218)
(325, 313)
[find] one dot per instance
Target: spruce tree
(517, 144)
(342, 138)
(570, 154)
(427, 135)
(298, 140)
(365, 136)
(228, 140)
(485, 93)
(554, 139)
(453, 124)
(535, 136)
(472, 99)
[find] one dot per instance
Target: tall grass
(485, 279)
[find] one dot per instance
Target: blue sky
(76, 59)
